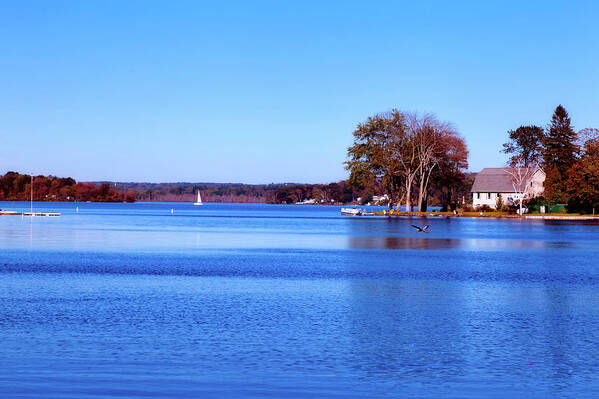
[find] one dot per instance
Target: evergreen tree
(559, 154)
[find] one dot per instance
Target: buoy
(77, 209)
(172, 211)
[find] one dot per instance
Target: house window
(488, 195)
(477, 195)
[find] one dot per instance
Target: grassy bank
(494, 214)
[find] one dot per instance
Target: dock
(557, 217)
(14, 213)
(491, 215)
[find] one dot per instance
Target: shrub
(484, 208)
(512, 209)
(499, 203)
(557, 208)
(534, 204)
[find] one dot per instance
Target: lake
(270, 301)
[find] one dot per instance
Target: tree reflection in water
(449, 243)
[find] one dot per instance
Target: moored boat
(351, 211)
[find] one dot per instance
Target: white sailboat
(199, 201)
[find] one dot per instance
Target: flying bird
(423, 229)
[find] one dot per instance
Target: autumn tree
(403, 151)
(583, 179)
(520, 179)
(525, 146)
(379, 152)
(438, 147)
(587, 136)
(449, 179)
(16, 186)
(426, 139)
(130, 196)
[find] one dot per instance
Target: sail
(199, 200)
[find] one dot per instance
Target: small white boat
(351, 211)
(199, 201)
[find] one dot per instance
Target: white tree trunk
(420, 193)
(409, 194)
(521, 199)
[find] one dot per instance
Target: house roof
(499, 180)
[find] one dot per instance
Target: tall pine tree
(559, 154)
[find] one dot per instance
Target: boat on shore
(352, 211)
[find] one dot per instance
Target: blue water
(259, 301)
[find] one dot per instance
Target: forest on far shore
(17, 187)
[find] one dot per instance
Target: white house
(384, 197)
(510, 183)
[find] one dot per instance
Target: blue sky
(270, 91)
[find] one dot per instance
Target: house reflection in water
(371, 242)
(403, 243)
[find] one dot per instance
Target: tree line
(211, 192)
(569, 158)
(411, 156)
(338, 192)
(18, 187)
(283, 193)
